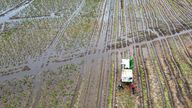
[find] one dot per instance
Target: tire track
(173, 77)
(164, 77)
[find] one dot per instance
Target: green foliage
(132, 63)
(15, 93)
(110, 97)
(7, 35)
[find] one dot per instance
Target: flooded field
(67, 53)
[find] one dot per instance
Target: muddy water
(38, 65)
(2, 27)
(10, 13)
(52, 15)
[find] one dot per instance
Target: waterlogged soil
(61, 56)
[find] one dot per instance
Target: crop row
(155, 73)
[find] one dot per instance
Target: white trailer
(126, 72)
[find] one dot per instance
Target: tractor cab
(126, 71)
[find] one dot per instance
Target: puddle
(6, 16)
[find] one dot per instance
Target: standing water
(12, 12)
